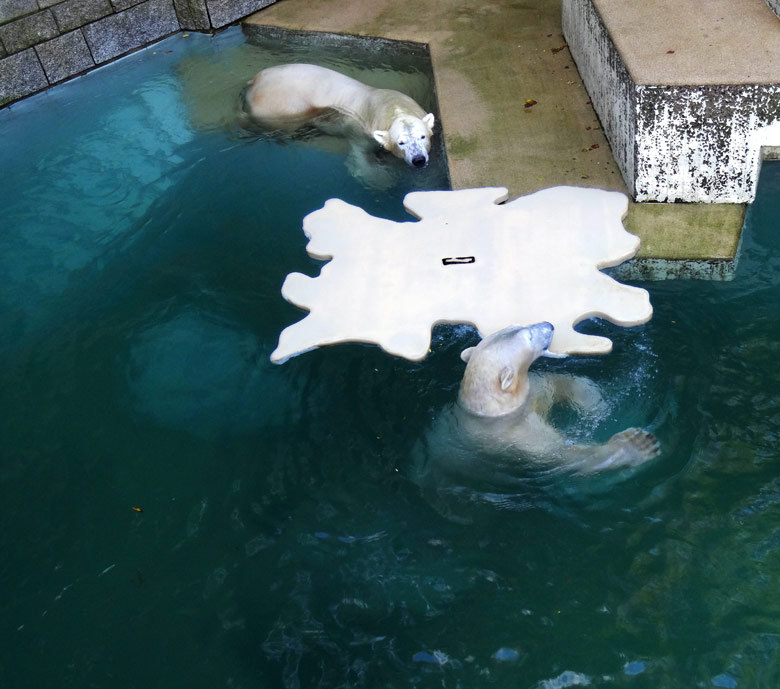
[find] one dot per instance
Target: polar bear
(502, 410)
(290, 96)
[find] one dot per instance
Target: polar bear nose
(419, 160)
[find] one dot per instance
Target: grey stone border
(45, 42)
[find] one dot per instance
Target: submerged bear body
(499, 432)
(291, 96)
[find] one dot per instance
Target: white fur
(287, 97)
(501, 407)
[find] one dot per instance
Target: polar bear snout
(419, 160)
(414, 150)
(541, 334)
(537, 337)
(408, 137)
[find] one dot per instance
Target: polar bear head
(409, 137)
(496, 378)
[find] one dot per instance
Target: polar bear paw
(629, 448)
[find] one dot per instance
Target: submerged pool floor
(177, 511)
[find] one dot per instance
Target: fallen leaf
(529, 102)
(670, 52)
(558, 50)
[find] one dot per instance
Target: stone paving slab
(21, 73)
(12, 9)
(65, 56)
(125, 31)
(27, 31)
(72, 14)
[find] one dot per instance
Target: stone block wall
(775, 6)
(44, 42)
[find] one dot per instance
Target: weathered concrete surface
(683, 42)
(490, 61)
(703, 143)
(687, 96)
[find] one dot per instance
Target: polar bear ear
(382, 137)
(466, 353)
(428, 121)
(507, 377)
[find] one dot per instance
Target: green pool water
(179, 512)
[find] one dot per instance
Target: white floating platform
(468, 260)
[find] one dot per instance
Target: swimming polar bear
(290, 96)
(502, 410)
(504, 406)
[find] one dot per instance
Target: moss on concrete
(690, 231)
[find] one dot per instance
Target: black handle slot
(457, 260)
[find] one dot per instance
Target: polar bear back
(289, 96)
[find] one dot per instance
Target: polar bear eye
(402, 143)
(422, 137)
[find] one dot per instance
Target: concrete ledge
(688, 96)
(685, 240)
(774, 6)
